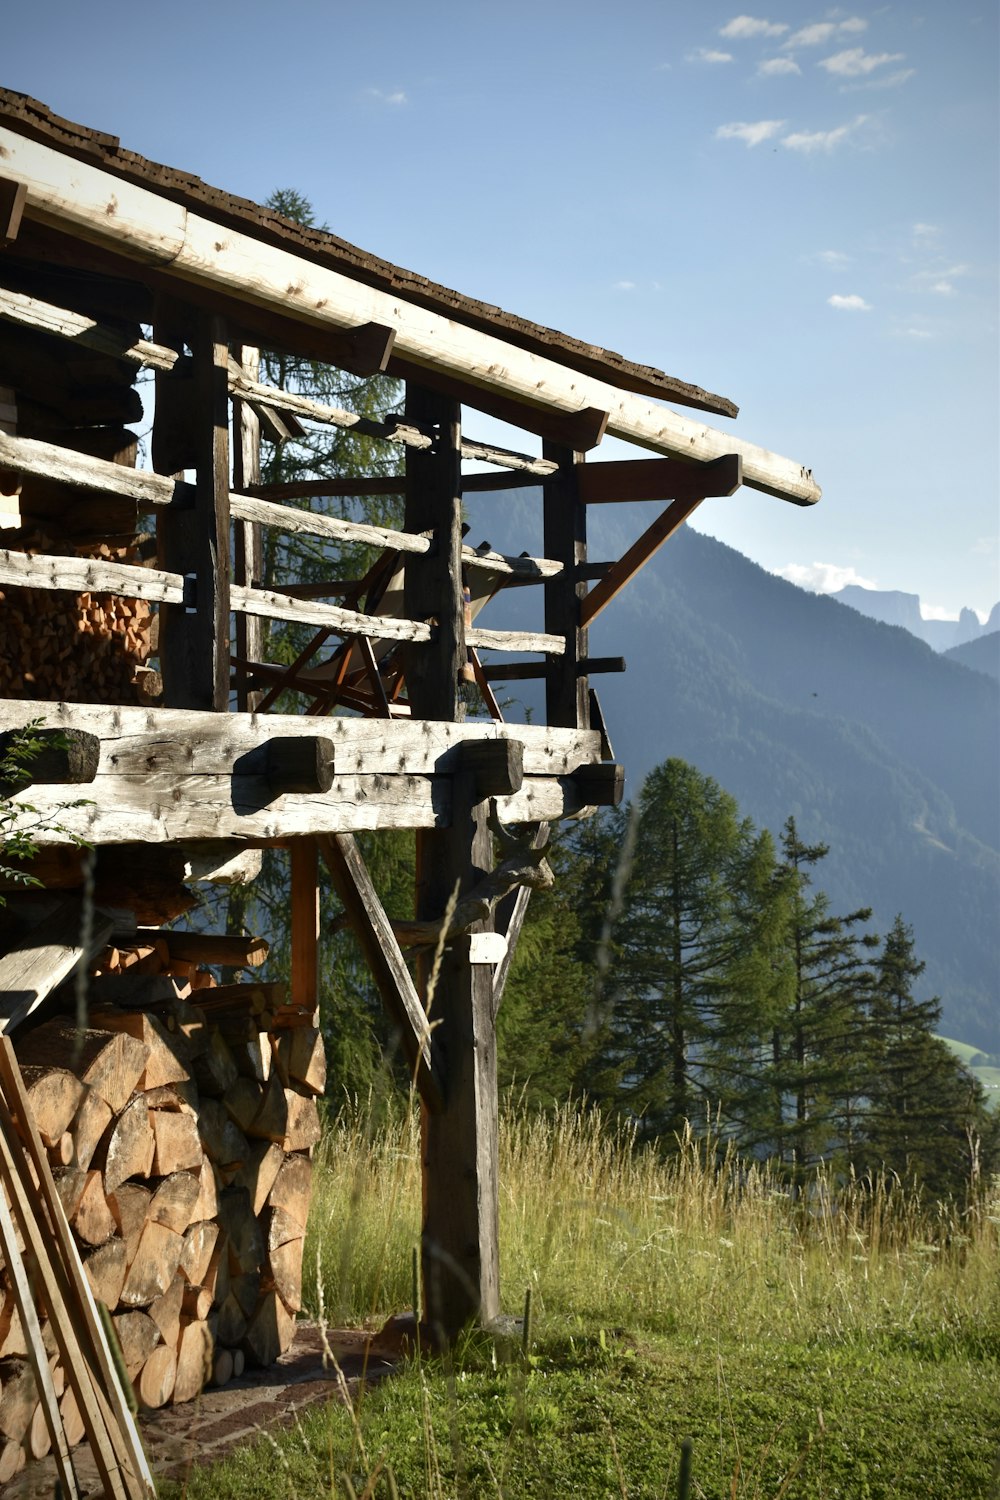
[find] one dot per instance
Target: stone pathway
(179, 1438)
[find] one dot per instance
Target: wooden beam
(151, 229)
(194, 645)
(658, 479)
(519, 671)
(384, 956)
(248, 551)
(91, 575)
(581, 429)
(85, 332)
(137, 741)
(636, 557)
(565, 540)
(48, 461)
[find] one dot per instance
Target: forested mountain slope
(795, 704)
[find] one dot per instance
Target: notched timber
(658, 479)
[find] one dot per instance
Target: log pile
(87, 648)
(179, 1129)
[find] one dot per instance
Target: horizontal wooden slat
(515, 640)
(134, 740)
(177, 807)
(44, 317)
(275, 606)
(82, 575)
(28, 456)
(505, 458)
(311, 523)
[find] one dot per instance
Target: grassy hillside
(818, 1354)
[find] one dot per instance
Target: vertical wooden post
(567, 701)
(459, 1144)
(248, 551)
(305, 924)
(191, 430)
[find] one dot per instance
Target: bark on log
(138, 1336)
(127, 1150)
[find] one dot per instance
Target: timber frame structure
(110, 264)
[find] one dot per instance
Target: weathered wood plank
(140, 741)
(32, 312)
(373, 930)
(81, 575)
(145, 226)
(277, 606)
(29, 456)
(313, 523)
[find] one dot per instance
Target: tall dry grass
(618, 1235)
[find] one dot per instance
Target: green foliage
(20, 822)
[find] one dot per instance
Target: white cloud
(822, 32)
(851, 303)
(855, 62)
(753, 134)
(709, 55)
(887, 81)
(919, 333)
(823, 578)
(775, 66)
(808, 141)
(943, 289)
(984, 546)
(834, 260)
(624, 286)
(925, 231)
(384, 96)
(936, 612)
(741, 27)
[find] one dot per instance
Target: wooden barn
(156, 1097)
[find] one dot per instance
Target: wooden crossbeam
(636, 557)
(509, 918)
(373, 930)
(658, 479)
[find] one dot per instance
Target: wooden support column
(248, 551)
(565, 527)
(191, 429)
(460, 1250)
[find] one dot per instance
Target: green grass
(848, 1350)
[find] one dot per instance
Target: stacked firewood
(179, 1126)
(81, 647)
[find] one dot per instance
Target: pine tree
(818, 1071)
(925, 1111)
(683, 935)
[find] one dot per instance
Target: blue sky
(794, 206)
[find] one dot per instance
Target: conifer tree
(925, 1119)
(818, 1071)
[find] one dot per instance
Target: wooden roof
(29, 117)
